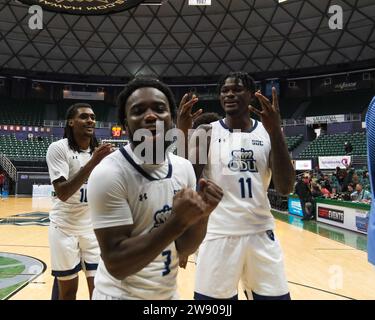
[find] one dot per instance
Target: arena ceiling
(175, 39)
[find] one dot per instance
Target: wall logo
(331, 214)
(85, 7)
(361, 223)
(243, 160)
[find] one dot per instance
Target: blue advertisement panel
(294, 207)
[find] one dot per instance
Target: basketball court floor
(321, 262)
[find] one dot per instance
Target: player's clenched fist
(188, 207)
(210, 193)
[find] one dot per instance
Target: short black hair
(68, 130)
(206, 118)
(144, 82)
(246, 79)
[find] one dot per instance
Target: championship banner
(335, 161)
(325, 119)
(83, 95)
(85, 7)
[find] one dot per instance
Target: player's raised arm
(283, 173)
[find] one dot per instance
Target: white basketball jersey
(71, 215)
(239, 163)
(141, 196)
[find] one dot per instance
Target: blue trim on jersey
(255, 124)
(141, 171)
(91, 266)
(260, 297)
(65, 273)
(199, 296)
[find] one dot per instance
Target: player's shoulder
(109, 169)
(59, 148)
(59, 144)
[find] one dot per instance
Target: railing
(8, 166)
(350, 117)
(61, 124)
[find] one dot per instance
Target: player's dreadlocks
(246, 79)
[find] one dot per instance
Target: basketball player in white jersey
(71, 237)
(146, 214)
(240, 242)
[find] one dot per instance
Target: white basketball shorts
(255, 259)
(72, 253)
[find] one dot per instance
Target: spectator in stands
(302, 189)
(341, 180)
(348, 147)
(334, 194)
(355, 179)
(361, 195)
(349, 178)
(324, 189)
(347, 195)
(326, 182)
(315, 190)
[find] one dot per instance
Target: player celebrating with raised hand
(71, 237)
(242, 155)
(146, 214)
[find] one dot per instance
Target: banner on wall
(83, 95)
(335, 161)
(302, 165)
(345, 86)
(325, 119)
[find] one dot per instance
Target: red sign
(331, 214)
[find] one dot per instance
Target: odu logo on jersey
(243, 160)
(161, 216)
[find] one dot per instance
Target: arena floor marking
(17, 271)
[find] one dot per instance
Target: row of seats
(325, 145)
(333, 145)
(19, 112)
(25, 149)
(293, 141)
(32, 113)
